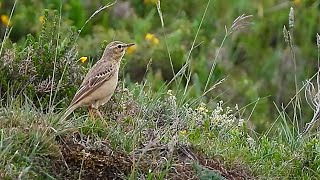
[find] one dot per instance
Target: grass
(148, 135)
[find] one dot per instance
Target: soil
(88, 158)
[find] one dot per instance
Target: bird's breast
(108, 87)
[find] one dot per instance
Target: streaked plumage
(100, 82)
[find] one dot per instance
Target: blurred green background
(255, 61)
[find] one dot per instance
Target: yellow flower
(155, 40)
(5, 20)
(297, 2)
(183, 132)
(83, 59)
(41, 19)
(149, 36)
(202, 108)
(131, 49)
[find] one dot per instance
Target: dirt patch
(192, 164)
(89, 158)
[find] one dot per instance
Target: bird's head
(115, 50)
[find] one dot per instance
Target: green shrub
(46, 68)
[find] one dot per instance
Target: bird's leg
(99, 114)
(91, 112)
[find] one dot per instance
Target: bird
(101, 80)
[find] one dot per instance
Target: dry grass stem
(94, 14)
(291, 18)
(239, 23)
(312, 96)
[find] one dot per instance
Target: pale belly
(102, 94)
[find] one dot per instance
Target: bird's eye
(119, 46)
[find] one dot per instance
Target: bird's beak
(128, 45)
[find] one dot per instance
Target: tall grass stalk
(7, 31)
(165, 35)
(55, 62)
(187, 63)
(296, 99)
(239, 23)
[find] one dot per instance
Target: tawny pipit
(100, 82)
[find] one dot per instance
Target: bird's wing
(100, 73)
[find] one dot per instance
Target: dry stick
(315, 118)
(315, 101)
(316, 114)
(308, 93)
(291, 100)
(310, 89)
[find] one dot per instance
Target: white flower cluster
(171, 99)
(219, 117)
(225, 118)
(124, 99)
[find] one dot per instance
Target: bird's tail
(69, 110)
